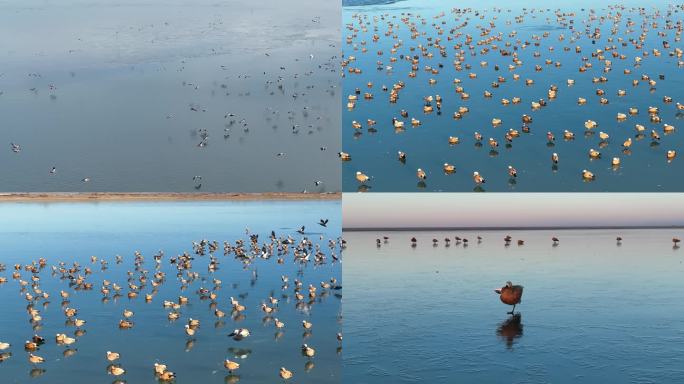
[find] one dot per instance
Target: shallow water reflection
(428, 78)
(154, 282)
(592, 310)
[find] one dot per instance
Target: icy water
(591, 311)
(75, 232)
(143, 97)
(374, 149)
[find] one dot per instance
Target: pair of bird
(321, 222)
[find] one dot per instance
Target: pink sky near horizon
(396, 210)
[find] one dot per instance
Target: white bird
(240, 333)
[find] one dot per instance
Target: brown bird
(510, 294)
(116, 371)
(167, 376)
(231, 365)
(285, 374)
(308, 351)
(30, 346)
(34, 359)
(112, 356)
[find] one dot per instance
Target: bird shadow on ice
(510, 329)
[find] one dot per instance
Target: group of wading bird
(617, 30)
(142, 282)
(509, 294)
(301, 118)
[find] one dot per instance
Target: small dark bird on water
(323, 223)
(510, 294)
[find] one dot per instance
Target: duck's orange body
(510, 294)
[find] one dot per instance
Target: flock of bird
(287, 101)
(474, 49)
(509, 294)
(148, 275)
(508, 240)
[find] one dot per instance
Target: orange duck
(510, 294)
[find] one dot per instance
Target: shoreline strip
(162, 196)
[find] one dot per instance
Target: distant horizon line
(528, 228)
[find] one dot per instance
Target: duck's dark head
(508, 285)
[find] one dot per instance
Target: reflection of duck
(510, 329)
(239, 353)
(510, 294)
